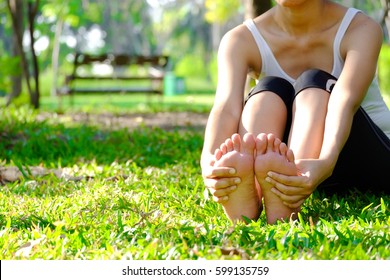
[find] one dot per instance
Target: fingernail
(232, 188)
(269, 174)
(268, 179)
(225, 198)
(232, 171)
(237, 181)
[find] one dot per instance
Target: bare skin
(253, 159)
(239, 153)
(300, 34)
(272, 155)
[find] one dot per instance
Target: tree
(255, 8)
(65, 13)
(15, 8)
(16, 79)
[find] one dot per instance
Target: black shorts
(364, 162)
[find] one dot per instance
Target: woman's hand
(293, 190)
(220, 181)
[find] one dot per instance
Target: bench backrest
(120, 59)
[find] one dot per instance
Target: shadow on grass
(136, 103)
(31, 143)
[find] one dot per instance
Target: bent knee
(315, 79)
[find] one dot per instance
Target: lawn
(138, 194)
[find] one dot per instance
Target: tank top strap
(262, 45)
(270, 66)
(338, 61)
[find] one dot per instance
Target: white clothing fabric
(373, 102)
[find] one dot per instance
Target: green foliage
(9, 66)
(221, 10)
(213, 69)
(191, 66)
(384, 69)
(139, 195)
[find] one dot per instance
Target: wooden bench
(124, 74)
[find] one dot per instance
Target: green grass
(133, 103)
(140, 196)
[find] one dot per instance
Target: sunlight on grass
(139, 195)
(129, 103)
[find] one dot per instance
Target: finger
(283, 189)
(286, 190)
(285, 179)
(223, 192)
(222, 183)
(288, 199)
(220, 199)
(295, 205)
(216, 172)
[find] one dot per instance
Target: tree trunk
(55, 55)
(254, 8)
(34, 94)
(16, 80)
(13, 6)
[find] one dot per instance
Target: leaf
(383, 206)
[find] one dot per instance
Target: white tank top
(373, 102)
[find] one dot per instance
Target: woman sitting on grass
(317, 91)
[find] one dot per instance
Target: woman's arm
(361, 46)
(226, 112)
(223, 122)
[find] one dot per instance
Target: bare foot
(239, 154)
(273, 155)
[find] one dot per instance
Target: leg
(238, 153)
(306, 134)
(272, 155)
(309, 113)
(364, 161)
(366, 152)
(265, 111)
(267, 108)
(259, 117)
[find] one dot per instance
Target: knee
(315, 78)
(276, 86)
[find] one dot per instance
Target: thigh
(364, 162)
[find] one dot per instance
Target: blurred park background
(39, 40)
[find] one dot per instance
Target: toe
(277, 144)
(271, 142)
(290, 155)
(218, 154)
(283, 149)
(223, 148)
(261, 144)
(229, 145)
(248, 144)
(236, 139)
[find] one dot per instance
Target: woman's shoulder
(237, 39)
(239, 44)
(363, 21)
(363, 27)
